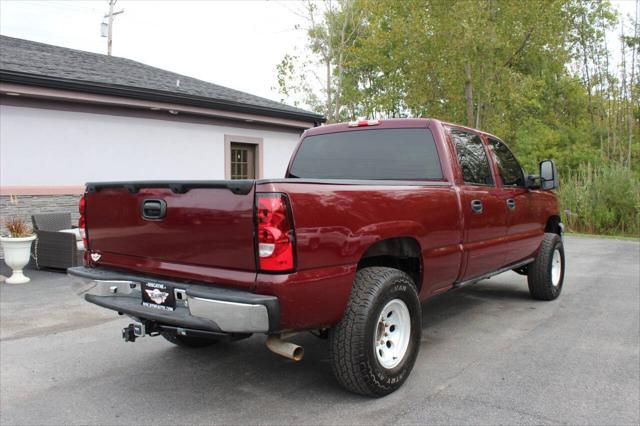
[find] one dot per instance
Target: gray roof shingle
(60, 63)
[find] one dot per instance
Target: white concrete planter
(16, 255)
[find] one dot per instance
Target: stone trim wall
(27, 205)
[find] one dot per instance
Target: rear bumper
(202, 307)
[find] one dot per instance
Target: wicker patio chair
(54, 249)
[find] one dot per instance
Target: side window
(508, 166)
(472, 158)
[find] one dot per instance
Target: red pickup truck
(372, 218)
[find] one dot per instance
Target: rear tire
(546, 273)
(374, 346)
(188, 341)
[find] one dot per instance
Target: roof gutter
(152, 95)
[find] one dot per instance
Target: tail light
(81, 221)
(275, 234)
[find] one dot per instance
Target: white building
(68, 117)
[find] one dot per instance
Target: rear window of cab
(381, 154)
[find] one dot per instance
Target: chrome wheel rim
(556, 268)
(392, 334)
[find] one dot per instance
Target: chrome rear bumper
(198, 306)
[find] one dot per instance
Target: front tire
(374, 346)
(546, 273)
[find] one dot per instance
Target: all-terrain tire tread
(349, 341)
(538, 276)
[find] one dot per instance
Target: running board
(491, 274)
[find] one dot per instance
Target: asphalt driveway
(489, 355)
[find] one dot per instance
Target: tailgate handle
(154, 209)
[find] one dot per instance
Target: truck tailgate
(203, 226)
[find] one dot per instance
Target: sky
(231, 43)
(236, 44)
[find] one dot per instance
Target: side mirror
(533, 182)
(548, 175)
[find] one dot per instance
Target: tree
(331, 29)
(541, 77)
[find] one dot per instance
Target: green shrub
(601, 199)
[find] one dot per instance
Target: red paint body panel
(309, 299)
(484, 234)
(335, 224)
(208, 234)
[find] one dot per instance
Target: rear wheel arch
(402, 253)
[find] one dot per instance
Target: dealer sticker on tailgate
(158, 296)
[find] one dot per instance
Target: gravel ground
(489, 355)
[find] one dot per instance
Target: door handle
(476, 206)
(153, 209)
(511, 203)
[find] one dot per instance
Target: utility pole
(110, 15)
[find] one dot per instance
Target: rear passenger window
(472, 158)
(508, 166)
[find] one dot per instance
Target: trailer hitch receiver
(134, 330)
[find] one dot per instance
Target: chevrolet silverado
(371, 218)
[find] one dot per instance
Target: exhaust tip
(298, 353)
(285, 349)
